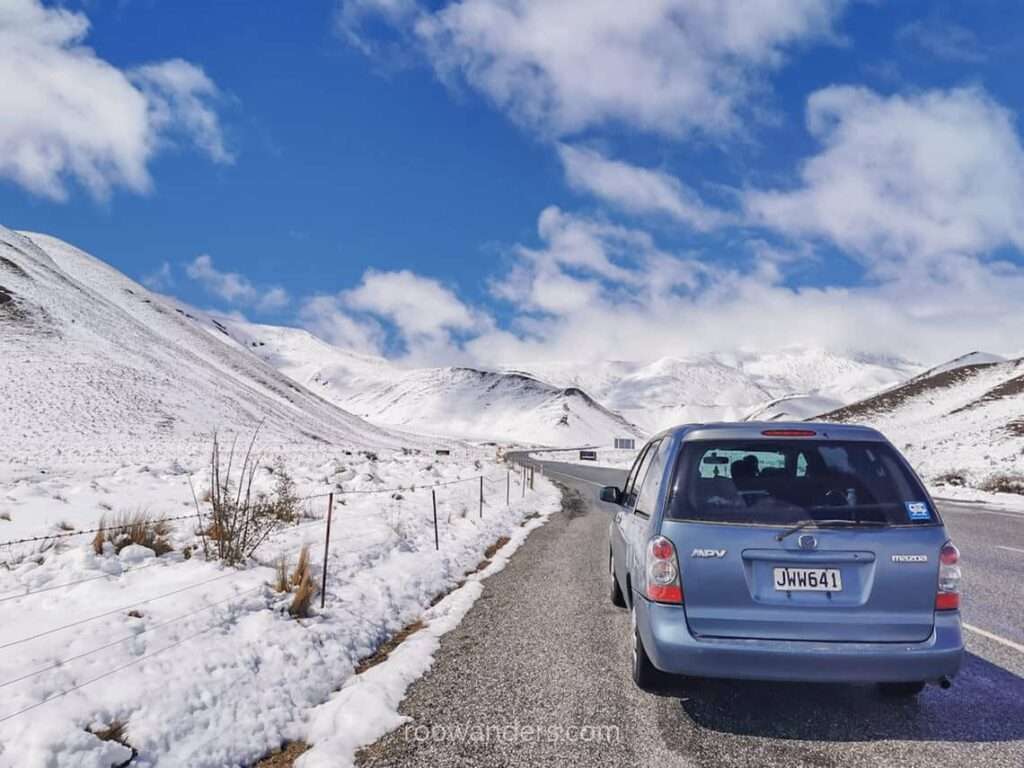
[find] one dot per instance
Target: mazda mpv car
(799, 552)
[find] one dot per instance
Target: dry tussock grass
(137, 527)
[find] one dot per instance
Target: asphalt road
(538, 674)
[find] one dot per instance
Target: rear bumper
(672, 648)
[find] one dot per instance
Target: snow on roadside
(202, 662)
(366, 708)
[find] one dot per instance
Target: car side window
(627, 487)
(638, 478)
(651, 487)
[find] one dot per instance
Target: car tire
(615, 591)
(645, 674)
(901, 690)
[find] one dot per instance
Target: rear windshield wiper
(830, 524)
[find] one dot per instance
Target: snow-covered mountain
(572, 403)
(792, 384)
(93, 363)
(91, 356)
(959, 423)
(458, 402)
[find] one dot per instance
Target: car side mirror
(611, 494)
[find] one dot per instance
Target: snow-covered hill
(92, 364)
(457, 402)
(958, 423)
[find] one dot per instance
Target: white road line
(1010, 549)
(991, 636)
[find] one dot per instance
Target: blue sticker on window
(918, 510)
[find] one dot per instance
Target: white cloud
(424, 311)
(943, 39)
(161, 279)
(681, 305)
(903, 181)
(273, 299)
(427, 316)
(328, 318)
(353, 16)
(179, 95)
(235, 288)
(637, 190)
(667, 66)
(69, 115)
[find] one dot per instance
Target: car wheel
(645, 674)
(901, 690)
(615, 591)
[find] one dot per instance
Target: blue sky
(497, 181)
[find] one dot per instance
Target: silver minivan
(798, 552)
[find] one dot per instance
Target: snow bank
(367, 707)
(203, 662)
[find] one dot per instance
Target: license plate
(808, 580)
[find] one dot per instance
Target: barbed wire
(126, 638)
(412, 488)
(235, 597)
(80, 622)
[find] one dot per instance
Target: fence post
(481, 497)
(508, 488)
(433, 498)
(524, 482)
(327, 546)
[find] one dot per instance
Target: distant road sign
(588, 455)
(627, 443)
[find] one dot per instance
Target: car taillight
(662, 569)
(947, 598)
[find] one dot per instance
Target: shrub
(132, 528)
(240, 520)
(952, 477)
(1004, 482)
(286, 500)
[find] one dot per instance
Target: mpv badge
(708, 553)
(808, 542)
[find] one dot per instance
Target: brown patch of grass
(1003, 482)
(64, 525)
(301, 571)
(492, 550)
(284, 757)
(382, 653)
(5, 516)
(117, 732)
(529, 517)
(132, 528)
(135, 614)
(953, 477)
(1015, 428)
(305, 588)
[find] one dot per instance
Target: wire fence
(524, 480)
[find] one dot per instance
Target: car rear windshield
(789, 481)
